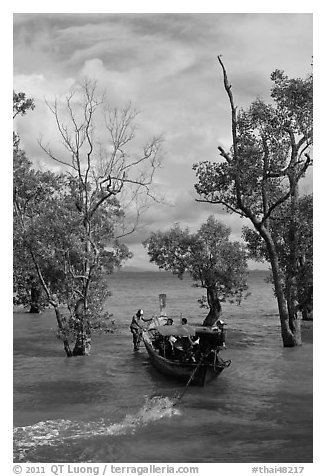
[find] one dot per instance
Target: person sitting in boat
(184, 349)
(170, 341)
(166, 342)
(194, 341)
(184, 346)
(136, 327)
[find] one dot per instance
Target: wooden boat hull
(205, 373)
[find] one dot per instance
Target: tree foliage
(280, 231)
(21, 104)
(270, 154)
(213, 261)
(34, 193)
(67, 225)
(254, 178)
(26, 289)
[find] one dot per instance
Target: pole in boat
(162, 300)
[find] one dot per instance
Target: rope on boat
(190, 379)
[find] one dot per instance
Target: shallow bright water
(114, 407)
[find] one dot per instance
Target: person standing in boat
(220, 327)
(136, 327)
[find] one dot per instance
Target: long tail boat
(199, 365)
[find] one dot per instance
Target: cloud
(166, 65)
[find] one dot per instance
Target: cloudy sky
(166, 65)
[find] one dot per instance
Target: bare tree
(107, 178)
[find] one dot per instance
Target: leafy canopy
(270, 145)
(212, 260)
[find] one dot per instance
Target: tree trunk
(294, 318)
(215, 308)
(60, 321)
(83, 343)
(35, 299)
(290, 331)
(82, 331)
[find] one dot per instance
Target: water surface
(114, 407)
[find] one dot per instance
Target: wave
(56, 432)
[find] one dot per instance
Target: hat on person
(140, 312)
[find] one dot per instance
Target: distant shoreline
(135, 269)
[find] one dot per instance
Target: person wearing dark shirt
(136, 327)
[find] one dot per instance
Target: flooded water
(112, 406)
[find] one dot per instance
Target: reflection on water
(114, 406)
